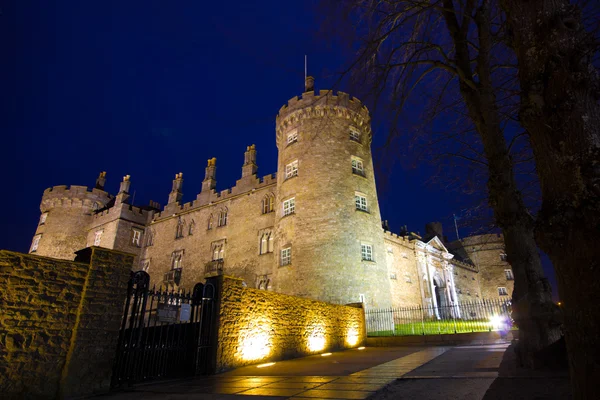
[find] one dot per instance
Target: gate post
(206, 353)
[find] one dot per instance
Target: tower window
(267, 203)
(354, 134)
(366, 251)
(291, 169)
(35, 243)
(502, 291)
(358, 166)
(43, 218)
(292, 136)
(509, 275)
(136, 237)
(97, 238)
(177, 259)
(289, 206)
(222, 217)
(361, 202)
(503, 257)
(286, 256)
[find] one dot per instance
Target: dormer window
(292, 136)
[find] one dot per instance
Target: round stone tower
(66, 213)
(329, 233)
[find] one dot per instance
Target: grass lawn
(437, 327)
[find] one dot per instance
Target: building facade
(313, 229)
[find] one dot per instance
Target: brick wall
(59, 322)
(259, 326)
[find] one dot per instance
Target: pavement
(435, 372)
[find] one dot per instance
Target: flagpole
(456, 227)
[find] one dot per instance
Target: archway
(441, 300)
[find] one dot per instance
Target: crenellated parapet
(325, 104)
(122, 211)
(406, 241)
(74, 197)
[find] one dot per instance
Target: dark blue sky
(152, 88)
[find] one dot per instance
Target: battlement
(122, 210)
(74, 196)
(404, 240)
(326, 103)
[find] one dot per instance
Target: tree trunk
(533, 310)
(560, 110)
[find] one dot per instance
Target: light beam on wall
(256, 343)
(352, 337)
(316, 337)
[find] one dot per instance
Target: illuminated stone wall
(259, 326)
(59, 322)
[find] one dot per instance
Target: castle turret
(329, 230)
(176, 191)
(123, 194)
(66, 213)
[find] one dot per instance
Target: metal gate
(164, 334)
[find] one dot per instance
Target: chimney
(309, 84)
(123, 194)
(101, 180)
(176, 193)
(210, 181)
(249, 168)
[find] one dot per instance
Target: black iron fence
(164, 334)
(474, 316)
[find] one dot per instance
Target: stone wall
(59, 322)
(260, 326)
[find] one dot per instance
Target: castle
(313, 229)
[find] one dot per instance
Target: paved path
(460, 372)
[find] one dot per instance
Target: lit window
(97, 238)
(43, 218)
(292, 136)
(354, 134)
(136, 236)
(361, 202)
(503, 256)
(286, 256)
(177, 259)
(267, 204)
(35, 243)
(509, 275)
(222, 217)
(502, 291)
(358, 166)
(291, 169)
(366, 251)
(180, 226)
(266, 242)
(361, 298)
(393, 276)
(289, 206)
(218, 250)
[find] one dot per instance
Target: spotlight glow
(361, 348)
(256, 343)
(265, 365)
(325, 354)
(352, 337)
(496, 321)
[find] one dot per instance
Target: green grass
(437, 328)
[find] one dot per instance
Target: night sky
(153, 88)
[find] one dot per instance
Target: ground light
(265, 365)
(361, 348)
(325, 354)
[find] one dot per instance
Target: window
(509, 275)
(97, 238)
(286, 256)
(361, 298)
(266, 242)
(136, 237)
(502, 291)
(43, 218)
(503, 256)
(180, 226)
(407, 279)
(35, 243)
(354, 134)
(218, 250)
(222, 217)
(149, 238)
(210, 222)
(192, 227)
(292, 136)
(366, 251)
(289, 206)
(361, 202)
(177, 259)
(267, 203)
(291, 170)
(393, 276)
(358, 166)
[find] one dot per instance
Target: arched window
(180, 226)
(149, 237)
(210, 222)
(191, 228)
(265, 244)
(222, 217)
(268, 203)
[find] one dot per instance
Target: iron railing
(214, 267)
(474, 316)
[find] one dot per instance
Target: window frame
(222, 220)
(285, 256)
(292, 134)
(268, 204)
(354, 134)
(508, 273)
(98, 237)
(359, 169)
(43, 218)
(35, 243)
(136, 237)
(358, 202)
(502, 291)
(289, 206)
(177, 259)
(291, 169)
(366, 252)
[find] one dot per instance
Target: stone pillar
(92, 350)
